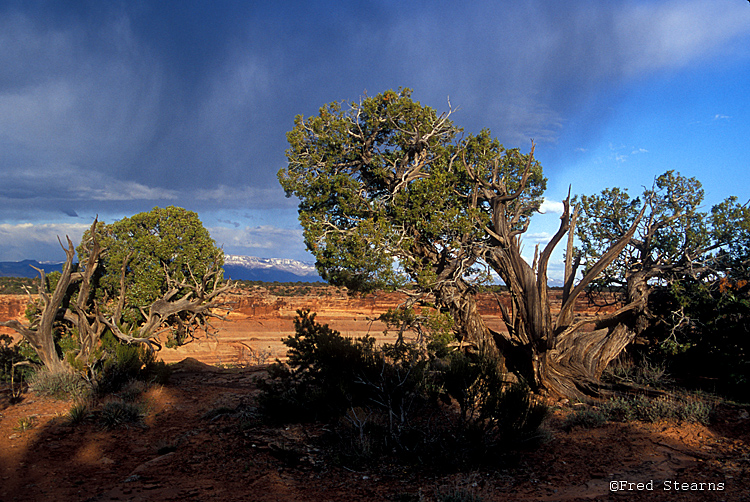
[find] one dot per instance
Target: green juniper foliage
(397, 398)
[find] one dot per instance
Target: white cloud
(551, 206)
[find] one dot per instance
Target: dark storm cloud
(126, 105)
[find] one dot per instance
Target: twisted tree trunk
(553, 355)
(41, 334)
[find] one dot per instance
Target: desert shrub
(620, 409)
(120, 414)
(705, 335)
(587, 418)
(61, 385)
(683, 408)
(25, 423)
(133, 390)
(644, 372)
(643, 408)
(79, 412)
(124, 363)
(695, 410)
(11, 354)
(317, 381)
(399, 398)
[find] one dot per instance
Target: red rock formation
(12, 307)
(259, 320)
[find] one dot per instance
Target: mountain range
(238, 268)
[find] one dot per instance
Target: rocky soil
(199, 441)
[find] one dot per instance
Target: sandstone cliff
(260, 320)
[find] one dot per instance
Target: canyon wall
(260, 320)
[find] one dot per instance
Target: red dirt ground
(183, 454)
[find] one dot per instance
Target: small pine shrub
(319, 377)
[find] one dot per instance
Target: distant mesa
(238, 268)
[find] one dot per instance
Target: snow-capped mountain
(251, 268)
(239, 268)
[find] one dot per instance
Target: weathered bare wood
(40, 334)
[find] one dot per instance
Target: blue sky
(112, 108)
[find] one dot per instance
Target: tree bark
(40, 334)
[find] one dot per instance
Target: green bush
(124, 363)
(317, 381)
(10, 354)
(399, 398)
(705, 335)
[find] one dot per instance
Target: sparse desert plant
(696, 410)
(620, 409)
(25, 423)
(120, 414)
(676, 407)
(133, 390)
(644, 373)
(643, 408)
(60, 385)
(79, 412)
(586, 418)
